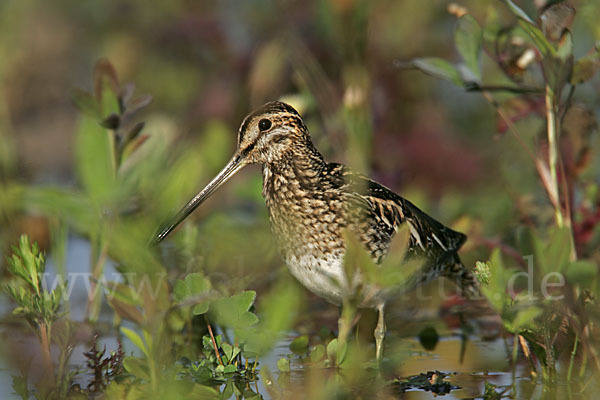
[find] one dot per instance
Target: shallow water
(484, 361)
(468, 365)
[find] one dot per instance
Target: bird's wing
(388, 211)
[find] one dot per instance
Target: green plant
(195, 327)
(538, 52)
(39, 307)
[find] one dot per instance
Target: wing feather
(381, 212)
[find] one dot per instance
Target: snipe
(312, 203)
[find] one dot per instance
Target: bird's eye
(264, 124)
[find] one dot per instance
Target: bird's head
(269, 133)
(266, 136)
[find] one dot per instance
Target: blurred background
(207, 64)
(215, 61)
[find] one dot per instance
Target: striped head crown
(269, 133)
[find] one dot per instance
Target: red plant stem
(212, 337)
(45, 343)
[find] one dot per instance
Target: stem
(212, 337)
(527, 353)
(62, 376)
(45, 343)
(550, 375)
(347, 320)
(114, 152)
(572, 360)
(584, 361)
(554, 163)
(515, 353)
(553, 157)
(94, 301)
(553, 150)
(153, 371)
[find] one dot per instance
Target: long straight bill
(230, 169)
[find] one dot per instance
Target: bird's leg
(379, 333)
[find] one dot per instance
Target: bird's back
(311, 206)
(379, 213)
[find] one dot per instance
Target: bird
(315, 206)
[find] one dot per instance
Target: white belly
(323, 276)
(326, 278)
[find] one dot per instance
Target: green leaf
(19, 385)
(229, 369)
(558, 67)
(299, 345)
(538, 38)
(335, 351)
(358, 260)
(499, 275)
(525, 318)
(565, 46)
(135, 339)
(585, 68)
(123, 303)
(518, 11)
(73, 207)
(122, 292)
(149, 339)
(278, 310)
(17, 310)
(233, 311)
(94, 155)
(194, 285)
(467, 38)
(228, 391)
(558, 251)
(204, 392)
(201, 308)
(438, 68)
(582, 272)
(27, 263)
(235, 352)
(136, 367)
(228, 351)
(283, 364)
(317, 353)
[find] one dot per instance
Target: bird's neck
(304, 218)
(298, 171)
